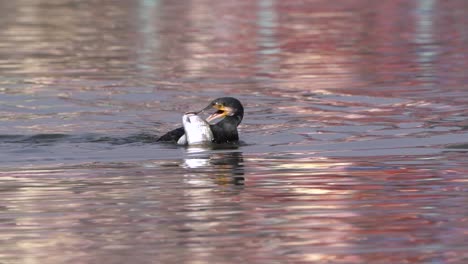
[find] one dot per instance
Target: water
(354, 142)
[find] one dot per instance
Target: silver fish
(197, 130)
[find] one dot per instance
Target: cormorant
(223, 122)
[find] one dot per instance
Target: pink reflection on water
(335, 78)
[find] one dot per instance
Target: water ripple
(354, 141)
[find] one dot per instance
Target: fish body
(197, 130)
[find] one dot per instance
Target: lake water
(354, 141)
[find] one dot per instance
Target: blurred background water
(354, 142)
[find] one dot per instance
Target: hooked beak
(221, 112)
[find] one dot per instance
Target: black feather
(172, 136)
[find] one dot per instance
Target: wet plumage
(229, 114)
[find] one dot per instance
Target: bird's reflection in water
(224, 167)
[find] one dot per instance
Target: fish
(197, 130)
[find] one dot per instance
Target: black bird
(228, 116)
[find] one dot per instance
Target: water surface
(354, 142)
